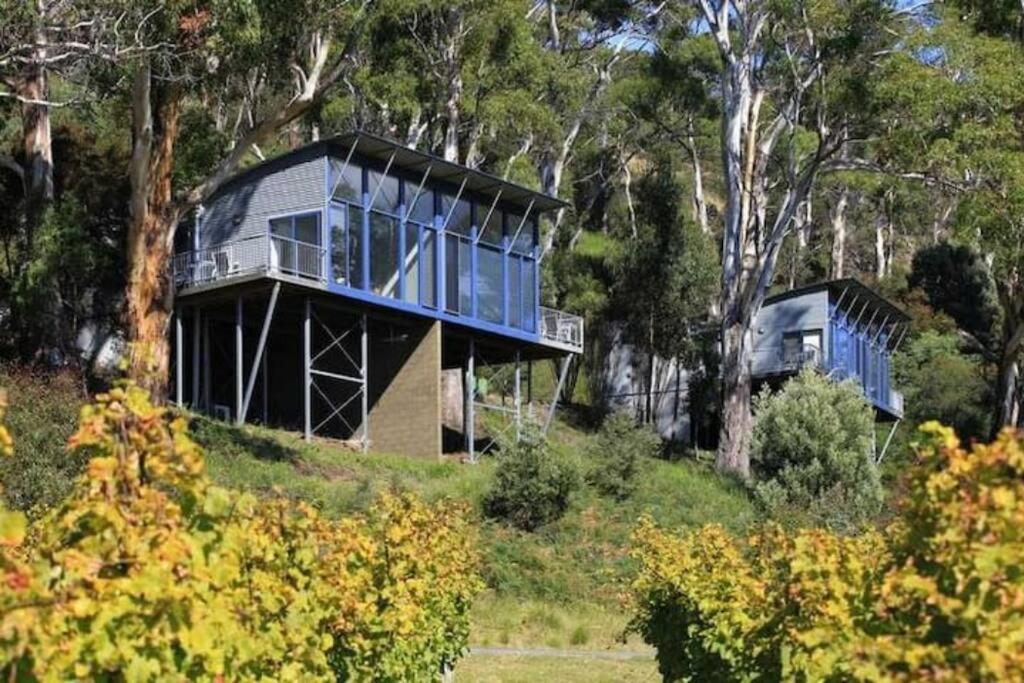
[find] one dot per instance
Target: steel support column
(207, 371)
(179, 355)
(469, 413)
(307, 377)
(239, 350)
(563, 373)
(364, 344)
(196, 354)
(518, 396)
(260, 346)
(888, 439)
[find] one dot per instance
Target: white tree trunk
(837, 215)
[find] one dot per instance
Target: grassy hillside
(558, 587)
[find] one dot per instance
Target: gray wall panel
(807, 312)
(243, 209)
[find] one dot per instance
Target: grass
(559, 587)
(517, 669)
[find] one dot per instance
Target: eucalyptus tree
(293, 53)
(793, 78)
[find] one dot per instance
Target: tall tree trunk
(154, 217)
(700, 205)
(881, 264)
(1007, 409)
(838, 218)
(37, 139)
(737, 418)
(453, 96)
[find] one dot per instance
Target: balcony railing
(561, 328)
(798, 358)
(263, 254)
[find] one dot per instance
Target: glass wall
(394, 249)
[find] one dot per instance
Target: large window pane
(355, 246)
(421, 208)
(281, 227)
(307, 229)
(491, 231)
(489, 285)
(461, 216)
(383, 255)
(411, 263)
(339, 246)
(429, 265)
(386, 197)
(515, 291)
(465, 278)
(347, 185)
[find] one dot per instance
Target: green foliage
(942, 383)
(42, 417)
(936, 595)
(812, 451)
(149, 572)
(617, 454)
(958, 282)
(667, 277)
(533, 484)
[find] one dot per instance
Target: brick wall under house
(405, 390)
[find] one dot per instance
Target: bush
(532, 485)
(811, 452)
(616, 455)
(41, 417)
(942, 383)
(936, 595)
(148, 572)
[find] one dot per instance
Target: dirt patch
(326, 471)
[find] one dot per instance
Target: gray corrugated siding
(807, 312)
(243, 210)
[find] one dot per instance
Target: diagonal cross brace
(260, 347)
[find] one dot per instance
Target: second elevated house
(329, 288)
(841, 327)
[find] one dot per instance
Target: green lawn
(560, 587)
(513, 669)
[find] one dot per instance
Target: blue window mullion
(472, 271)
(365, 242)
(440, 246)
(401, 240)
(420, 266)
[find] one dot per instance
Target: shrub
(532, 484)
(811, 451)
(616, 455)
(936, 595)
(42, 416)
(149, 572)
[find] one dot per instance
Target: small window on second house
(301, 228)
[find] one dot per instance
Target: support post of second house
(469, 416)
(178, 357)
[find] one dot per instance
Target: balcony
(305, 262)
(254, 256)
(561, 329)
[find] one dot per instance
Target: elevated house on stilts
(329, 289)
(840, 327)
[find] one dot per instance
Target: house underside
(284, 354)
